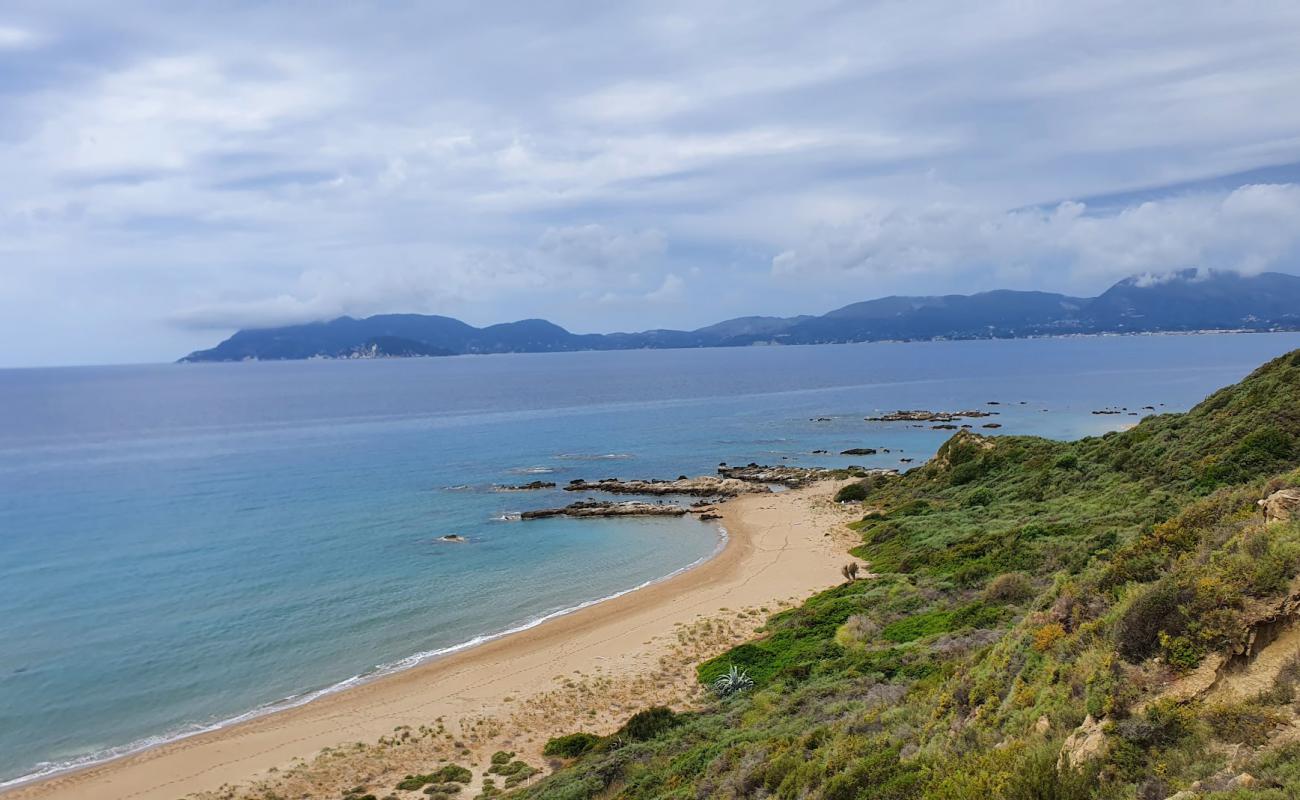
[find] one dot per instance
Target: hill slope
(1178, 302)
(1111, 617)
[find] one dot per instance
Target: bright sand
(588, 670)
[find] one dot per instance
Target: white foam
(594, 456)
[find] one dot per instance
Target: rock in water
(591, 508)
(531, 486)
(703, 486)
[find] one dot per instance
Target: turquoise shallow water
(181, 545)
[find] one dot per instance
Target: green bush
(1179, 652)
(571, 745)
(649, 723)
(1009, 587)
(919, 626)
(1164, 723)
(1153, 611)
(854, 492)
(1246, 723)
(912, 508)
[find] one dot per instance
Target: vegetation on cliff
(1048, 620)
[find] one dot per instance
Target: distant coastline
(1185, 302)
(1029, 337)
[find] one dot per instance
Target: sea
(186, 546)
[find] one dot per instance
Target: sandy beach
(585, 671)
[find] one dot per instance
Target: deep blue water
(183, 544)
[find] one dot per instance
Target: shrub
(1152, 611)
(1009, 587)
(412, 782)
(1164, 723)
(454, 773)
(1246, 723)
(854, 492)
(856, 630)
(1048, 635)
(1101, 690)
(1179, 652)
(571, 745)
(451, 773)
(912, 508)
(917, 626)
(982, 496)
(649, 723)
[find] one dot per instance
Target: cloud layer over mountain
(175, 170)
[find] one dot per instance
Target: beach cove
(515, 692)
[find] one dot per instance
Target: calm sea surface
(180, 545)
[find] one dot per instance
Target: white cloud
(670, 291)
(599, 247)
(235, 166)
(13, 37)
(163, 113)
(1249, 229)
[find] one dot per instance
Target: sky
(171, 172)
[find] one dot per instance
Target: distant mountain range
(1182, 301)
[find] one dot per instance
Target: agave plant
(736, 680)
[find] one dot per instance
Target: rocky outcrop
(1086, 743)
(859, 451)
(1281, 506)
(525, 487)
(598, 508)
(921, 415)
(703, 486)
(791, 476)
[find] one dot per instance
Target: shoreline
(381, 671)
(493, 677)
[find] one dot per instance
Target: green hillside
(1025, 588)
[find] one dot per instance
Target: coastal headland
(587, 671)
